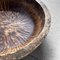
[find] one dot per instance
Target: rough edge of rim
(34, 44)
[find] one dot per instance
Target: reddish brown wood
(41, 18)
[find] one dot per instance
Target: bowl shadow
(43, 52)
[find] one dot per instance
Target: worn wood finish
(41, 19)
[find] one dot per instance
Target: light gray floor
(50, 48)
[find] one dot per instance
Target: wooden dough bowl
(11, 47)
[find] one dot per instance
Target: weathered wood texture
(36, 31)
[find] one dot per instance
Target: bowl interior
(20, 22)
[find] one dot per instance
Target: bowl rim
(35, 43)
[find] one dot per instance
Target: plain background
(50, 48)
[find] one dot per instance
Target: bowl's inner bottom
(15, 28)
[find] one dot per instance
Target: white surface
(53, 38)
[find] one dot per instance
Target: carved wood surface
(13, 27)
